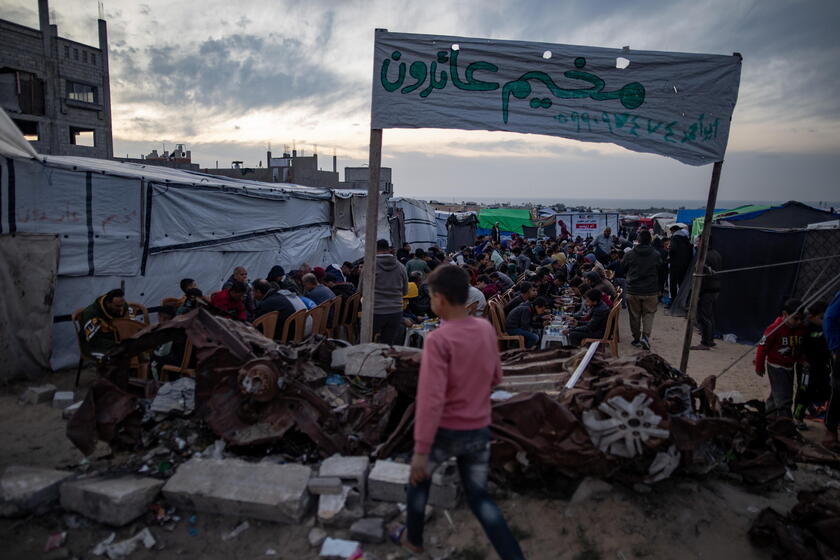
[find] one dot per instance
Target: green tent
(510, 219)
(697, 224)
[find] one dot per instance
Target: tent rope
(757, 267)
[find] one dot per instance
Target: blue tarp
(685, 216)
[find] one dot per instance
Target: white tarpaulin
(586, 225)
(673, 104)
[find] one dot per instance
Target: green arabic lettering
(561, 118)
(670, 128)
(383, 73)
(635, 127)
(418, 71)
(653, 130)
(433, 83)
(631, 95)
(605, 117)
(472, 83)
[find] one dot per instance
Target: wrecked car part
(623, 427)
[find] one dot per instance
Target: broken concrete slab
(353, 470)
(324, 485)
(68, 412)
(39, 394)
(266, 491)
(316, 537)
(63, 399)
(341, 510)
(113, 501)
(591, 489)
(339, 549)
(387, 483)
(386, 510)
(368, 530)
(26, 490)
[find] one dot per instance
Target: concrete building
(179, 158)
(291, 168)
(357, 178)
(56, 90)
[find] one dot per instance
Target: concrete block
(316, 537)
(341, 510)
(264, 491)
(368, 530)
(37, 395)
(339, 549)
(113, 501)
(68, 412)
(388, 480)
(26, 490)
(351, 470)
(324, 485)
(63, 399)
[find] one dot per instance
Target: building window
(21, 92)
(82, 92)
(76, 54)
(66, 51)
(84, 57)
(80, 136)
(93, 59)
(29, 129)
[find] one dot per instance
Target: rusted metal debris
(811, 531)
(633, 418)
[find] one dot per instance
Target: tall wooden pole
(697, 278)
(371, 221)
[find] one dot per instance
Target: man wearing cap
(389, 288)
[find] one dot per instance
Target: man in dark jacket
(277, 276)
(343, 289)
(268, 300)
(596, 326)
(642, 269)
(707, 304)
(97, 321)
(522, 321)
(679, 259)
(390, 287)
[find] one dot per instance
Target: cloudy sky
(229, 78)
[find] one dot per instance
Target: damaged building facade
(57, 91)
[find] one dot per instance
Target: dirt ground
(681, 517)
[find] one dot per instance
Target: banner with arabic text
(672, 104)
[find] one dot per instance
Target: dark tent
(751, 299)
(789, 215)
(460, 231)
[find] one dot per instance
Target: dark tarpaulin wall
(789, 215)
(818, 243)
(460, 231)
(750, 300)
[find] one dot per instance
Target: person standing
(602, 246)
(459, 367)
(778, 353)
(679, 259)
(496, 233)
(389, 288)
(642, 269)
(831, 330)
(707, 304)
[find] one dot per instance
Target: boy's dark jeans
(471, 448)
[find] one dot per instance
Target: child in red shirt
(779, 351)
(460, 365)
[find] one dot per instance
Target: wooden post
(371, 221)
(697, 278)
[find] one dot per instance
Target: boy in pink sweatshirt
(460, 366)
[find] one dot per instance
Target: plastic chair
(497, 317)
(267, 324)
(184, 368)
(333, 318)
(126, 328)
(471, 308)
(298, 320)
(318, 315)
(610, 332)
(167, 304)
(350, 316)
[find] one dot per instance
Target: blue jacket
(831, 324)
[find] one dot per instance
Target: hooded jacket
(642, 271)
(98, 326)
(391, 285)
